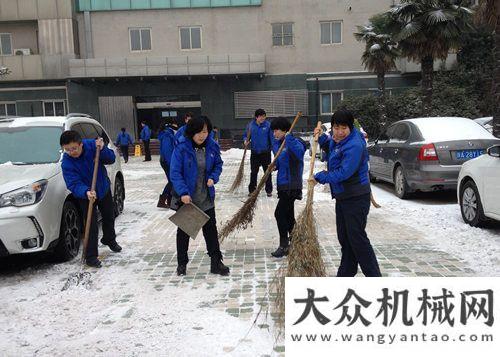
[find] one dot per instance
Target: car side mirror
(494, 151)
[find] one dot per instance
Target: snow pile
(441, 225)
(233, 154)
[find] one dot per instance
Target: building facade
(126, 61)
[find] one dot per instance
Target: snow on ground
(442, 225)
(80, 321)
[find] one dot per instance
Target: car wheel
(400, 185)
(119, 196)
(70, 232)
(470, 205)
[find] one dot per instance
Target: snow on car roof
(450, 128)
(34, 121)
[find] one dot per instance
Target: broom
(244, 216)
(239, 176)
(83, 278)
(304, 256)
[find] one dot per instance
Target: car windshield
(30, 145)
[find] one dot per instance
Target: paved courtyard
(138, 305)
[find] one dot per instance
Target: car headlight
(24, 196)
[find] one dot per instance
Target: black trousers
(352, 214)
(124, 151)
(106, 208)
(211, 239)
(256, 162)
(167, 190)
(285, 216)
(147, 152)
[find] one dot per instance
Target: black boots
(280, 252)
(162, 202)
(93, 262)
(115, 247)
(217, 267)
(181, 269)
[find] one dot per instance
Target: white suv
(37, 212)
(479, 188)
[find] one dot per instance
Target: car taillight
(428, 153)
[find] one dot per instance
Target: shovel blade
(190, 219)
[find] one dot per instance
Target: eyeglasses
(69, 150)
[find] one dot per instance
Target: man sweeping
(290, 166)
(77, 168)
(261, 141)
(348, 178)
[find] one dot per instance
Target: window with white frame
(329, 101)
(331, 32)
(54, 108)
(283, 34)
(140, 39)
(8, 109)
(190, 37)
(5, 44)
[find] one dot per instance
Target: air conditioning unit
(22, 51)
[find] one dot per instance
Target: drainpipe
(88, 35)
(317, 99)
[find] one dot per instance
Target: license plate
(468, 154)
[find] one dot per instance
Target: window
(140, 39)
(89, 131)
(401, 134)
(384, 137)
(102, 133)
(5, 44)
(190, 38)
(8, 109)
(329, 101)
(283, 34)
(54, 108)
(331, 32)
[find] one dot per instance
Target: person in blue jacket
(348, 178)
(145, 138)
(167, 144)
(180, 133)
(122, 141)
(261, 143)
(290, 166)
(77, 169)
(195, 168)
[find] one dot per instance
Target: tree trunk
(427, 79)
(496, 79)
(381, 98)
(381, 83)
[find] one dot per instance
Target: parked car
(479, 188)
(487, 122)
(37, 211)
(426, 154)
(327, 128)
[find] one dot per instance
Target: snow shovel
(83, 277)
(190, 219)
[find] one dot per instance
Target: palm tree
(380, 51)
(489, 12)
(427, 30)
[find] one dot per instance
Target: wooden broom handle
(313, 152)
(91, 204)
